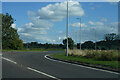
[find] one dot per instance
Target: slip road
(36, 65)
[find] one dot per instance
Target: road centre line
(42, 73)
(9, 60)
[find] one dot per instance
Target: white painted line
(9, 60)
(42, 73)
(81, 65)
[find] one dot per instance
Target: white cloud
(13, 26)
(78, 25)
(57, 11)
(112, 0)
(113, 3)
(60, 32)
(59, 38)
(103, 19)
(35, 31)
(41, 21)
(88, 33)
(95, 23)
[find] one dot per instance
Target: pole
(95, 40)
(80, 33)
(67, 31)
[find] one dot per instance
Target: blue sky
(46, 21)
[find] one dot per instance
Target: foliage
(37, 45)
(70, 43)
(109, 38)
(110, 42)
(88, 45)
(0, 31)
(10, 37)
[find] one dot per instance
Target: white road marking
(9, 60)
(42, 73)
(81, 65)
(32, 69)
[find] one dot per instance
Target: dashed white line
(9, 60)
(32, 69)
(42, 73)
(81, 65)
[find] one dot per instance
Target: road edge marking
(80, 65)
(9, 60)
(42, 73)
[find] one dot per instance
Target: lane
(37, 61)
(10, 70)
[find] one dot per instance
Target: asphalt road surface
(35, 65)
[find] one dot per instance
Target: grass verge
(37, 50)
(112, 64)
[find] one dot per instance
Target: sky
(46, 21)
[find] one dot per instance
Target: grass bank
(112, 64)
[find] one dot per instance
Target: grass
(105, 55)
(113, 64)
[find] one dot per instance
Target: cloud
(113, 3)
(78, 25)
(103, 19)
(98, 31)
(95, 23)
(60, 32)
(57, 11)
(13, 26)
(112, 0)
(42, 21)
(35, 31)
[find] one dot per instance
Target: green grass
(37, 49)
(113, 64)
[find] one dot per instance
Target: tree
(88, 45)
(46, 45)
(10, 37)
(109, 39)
(70, 43)
(0, 31)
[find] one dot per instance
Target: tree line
(40, 45)
(111, 41)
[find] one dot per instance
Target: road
(35, 65)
